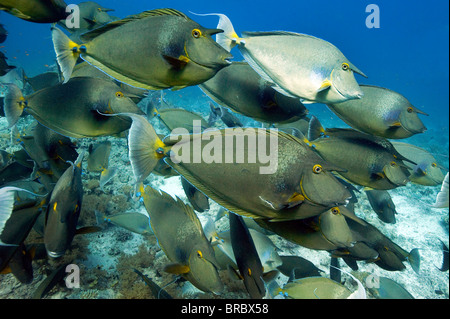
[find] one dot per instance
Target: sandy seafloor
(106, 258)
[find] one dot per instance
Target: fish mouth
(413, 131)
(226, 62)
(356, 95)
(327, 204)
(434, 180)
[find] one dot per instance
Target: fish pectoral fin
(304, 101)
(325, 85)
(378, 175)
(419, 171)
(177, 63)
(176, 269)
(270, 275)
(17, 13)
(177, 88)
(296, 199)
(396, 124)
(32, 252)
(234, 274)
(90, 21)
(88, 230)
(6, 270)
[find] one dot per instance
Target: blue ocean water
(408, 53)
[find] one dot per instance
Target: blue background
(408, 54)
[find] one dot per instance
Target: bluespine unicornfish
(247, 259)
(76, 109)
(180, 235)
(301, 185)
(368, 160)
(296, 65)
(381, 112)
(239, 88)
(63, 210)
(173, 51)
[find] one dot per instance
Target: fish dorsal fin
(88, 36)
(188, 210)
(164, 12)
(248, 34)
(292, 138)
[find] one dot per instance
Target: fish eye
(336, 211)
(433, 165)
(196, 33)
(410, 109)
(119, 94)
(393, 164)
(345, 66)
(317, 169)
(199, 254)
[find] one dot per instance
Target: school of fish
(109, 65)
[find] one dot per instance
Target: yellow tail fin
(229, 38)
(14, 104)
(145, 147)
(67, 52)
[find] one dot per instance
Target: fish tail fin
(6, 208)
(14, 104)
(360, 293)
(210, 230)
(145, 147)
(80, 159)
(100, 218)
(228, 39)
(316, 129)
(151, 111)
(442, 196)
(414, 260)
(273, 289)
(221, 213)
(15, 135)
(106, 175)
(67, 52)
